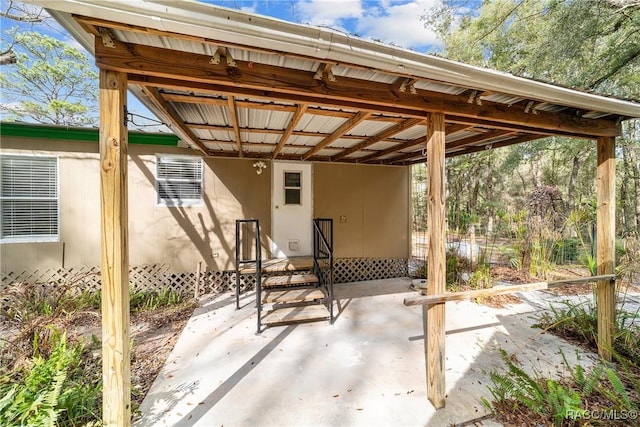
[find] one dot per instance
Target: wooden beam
(491, 146)
(606, 237)
(501, 290)
(387, 133)
(451, 118)
(233, 118)
(450, 130)
(192, 67)
(344, 128)
(116, 363)
(434, 315)
(419, 158)
(176, 121)
(289, 131)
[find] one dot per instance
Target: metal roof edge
(232, 26)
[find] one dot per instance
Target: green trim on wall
(28, 130)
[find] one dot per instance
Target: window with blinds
(29, 199)
(178, 180)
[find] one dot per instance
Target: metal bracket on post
(107, 39)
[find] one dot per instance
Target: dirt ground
(153, 333)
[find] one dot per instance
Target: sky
(394, 22)
(389, 21)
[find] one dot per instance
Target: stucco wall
(374, 200)
(179, 236)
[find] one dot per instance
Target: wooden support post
(434, 315)
(606, 236)
(196, 291)
(116, 369)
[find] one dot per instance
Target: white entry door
(291, 209)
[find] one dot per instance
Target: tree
(590, 45)
(51, 82)
(22, 13)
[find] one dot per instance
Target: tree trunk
(575, 168)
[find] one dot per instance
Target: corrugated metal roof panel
(502, 98)
(362, 74)
(315, 123)
(266, 138)
(202, 113)
(412, 133)
(266, 148)
(304, 140)
(439, 87)
(212, 145)
(209, 134)
(461, 135)
(382, 145)
(263, 119)
(345, 143)
(294, 150)
(370, 128)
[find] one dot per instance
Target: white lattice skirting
(159, 277)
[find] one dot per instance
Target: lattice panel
(347, 270)
(158, 276)
(82, 278)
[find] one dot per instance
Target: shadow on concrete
(366, 369)
(223, 389)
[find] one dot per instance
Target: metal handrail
(323, 250)
(257, 260)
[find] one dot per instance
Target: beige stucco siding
(178, 236)
(373, 199)
(375, 202)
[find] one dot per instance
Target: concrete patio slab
(367, 369)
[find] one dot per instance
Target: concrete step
(292, 295)
(307, 313)
(292, 280)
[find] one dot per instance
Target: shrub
(51, 390)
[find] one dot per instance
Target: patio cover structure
(234, 84)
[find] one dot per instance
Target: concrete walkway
(367, 369)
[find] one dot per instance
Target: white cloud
(398, 23)
(328, 13)
(390, 21)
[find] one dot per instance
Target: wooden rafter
(255, 105)
(176, 121)
(233, 117)
(263, 145)
(224, 128)
(450, 130)
(292, 125)
(344, 128)
(476, 139)
(387, 133)
(469, 150)
(288, 84)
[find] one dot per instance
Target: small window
(292, 188)
(29, 199)
(179, 180)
